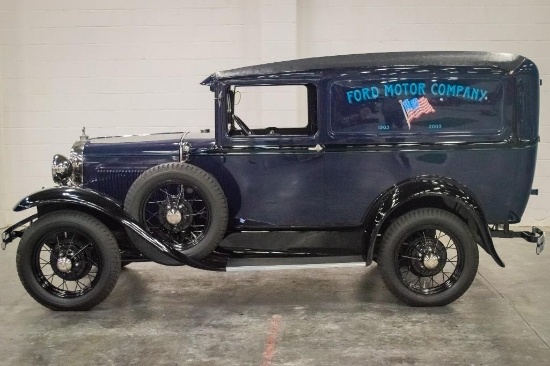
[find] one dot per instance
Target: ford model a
(399, 158)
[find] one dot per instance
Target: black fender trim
(406, 192)
(95, 201)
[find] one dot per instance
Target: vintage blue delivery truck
(411, 160)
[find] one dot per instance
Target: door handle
(317, 148)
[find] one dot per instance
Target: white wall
(134, 66)
(4, 199)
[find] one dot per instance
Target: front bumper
(11, 233)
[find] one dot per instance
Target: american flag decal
(415, 107)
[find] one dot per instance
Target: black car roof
(505, 61)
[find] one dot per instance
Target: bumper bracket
(536, 235)
(11, 233)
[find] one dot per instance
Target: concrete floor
(180, 316)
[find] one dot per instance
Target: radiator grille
(115, 182)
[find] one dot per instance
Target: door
(272, 160)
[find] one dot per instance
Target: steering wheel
(247, 131)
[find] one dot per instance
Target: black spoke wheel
(182, 206)
(176, 213)
(68, 260)
(428, 257)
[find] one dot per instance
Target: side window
(272, 110)
(377, 107)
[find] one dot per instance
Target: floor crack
(516, 310)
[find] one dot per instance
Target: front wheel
(428, 257)
(68, 260)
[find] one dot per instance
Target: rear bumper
(535, 236)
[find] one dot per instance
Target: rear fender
(92, 201)
(426, 191)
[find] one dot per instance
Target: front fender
(79, 196)
(415, 193)
(90, 199)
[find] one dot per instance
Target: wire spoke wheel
(177, 213)
(182, 206)
(429, 261)
(68, 260)
(66, 263)
(428, 257)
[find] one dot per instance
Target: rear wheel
(428, 257)
(68, 260)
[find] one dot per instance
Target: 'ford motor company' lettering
(399, 89)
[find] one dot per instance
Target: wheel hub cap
(431, 255)
(173, 216)
(64, 264)
(176, 217)
(431, 261)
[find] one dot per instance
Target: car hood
(151, 145)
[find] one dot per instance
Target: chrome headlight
(62, 169)
(68, 172)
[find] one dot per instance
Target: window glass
(416, 106)
(273, 110)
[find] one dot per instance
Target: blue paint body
(281, 182)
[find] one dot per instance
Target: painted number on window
(434, 126)
(383, 127)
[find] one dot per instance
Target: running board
(273, 264)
